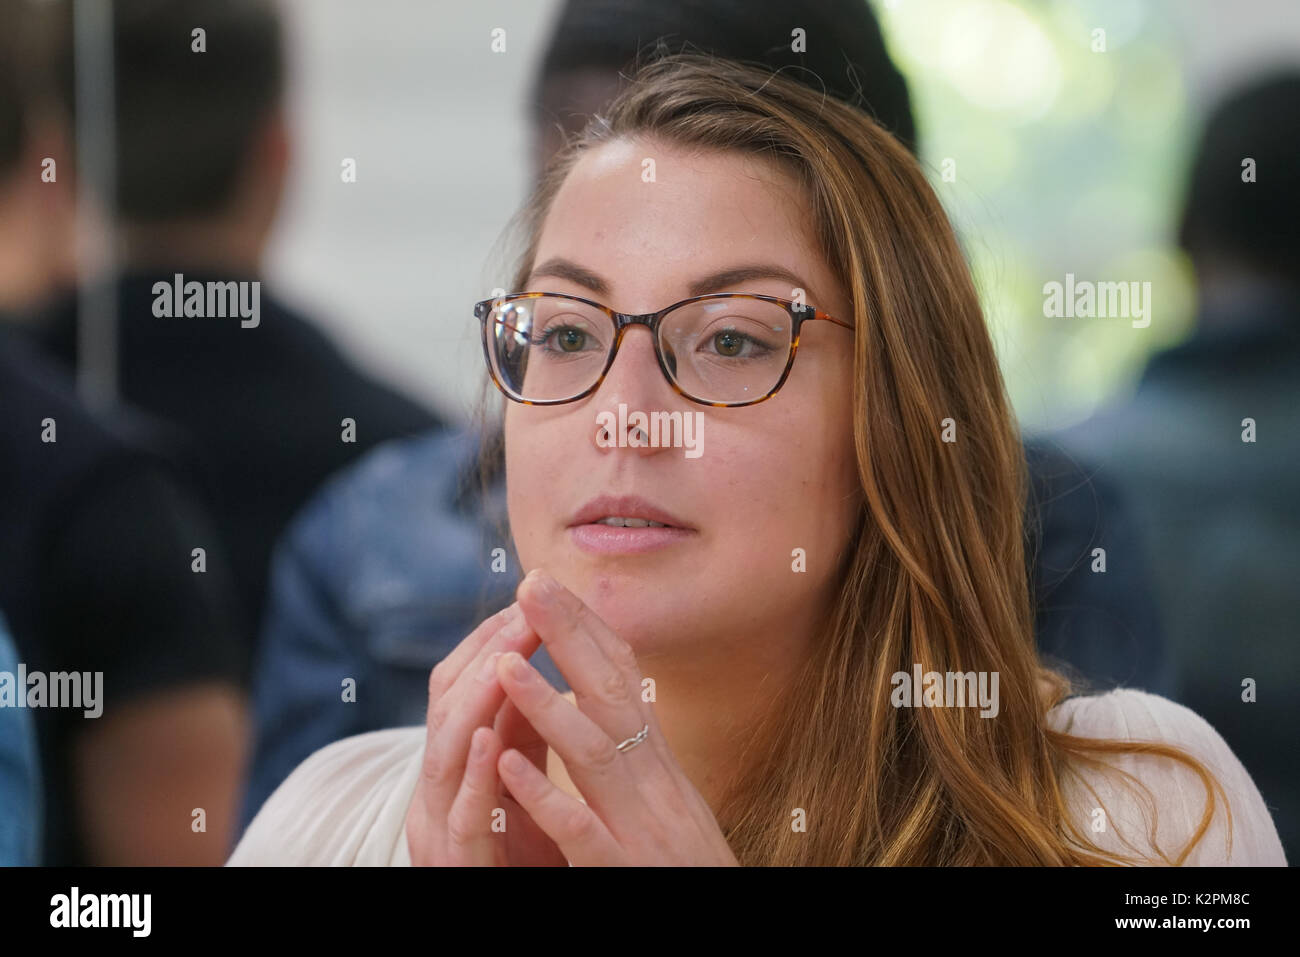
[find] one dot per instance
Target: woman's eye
(564, 339)
(732, 344)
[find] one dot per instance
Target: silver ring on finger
(636, 739)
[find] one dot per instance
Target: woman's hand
(459, 796)
(641, 808)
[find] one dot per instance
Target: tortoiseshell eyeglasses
(724, 350)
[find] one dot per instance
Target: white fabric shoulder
(1178, 792)
(346, 804)
(343, 806)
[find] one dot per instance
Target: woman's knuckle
(437, 765)
(439, 679)
(614, 688)
(460, 828)
(598, 754)
(624, 657)
(582, 616)
(438, 716)
(579, 823)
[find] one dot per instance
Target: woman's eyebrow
(565, 269)
(561, 268)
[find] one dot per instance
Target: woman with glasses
(812, 643)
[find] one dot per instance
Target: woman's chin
(648, 628)
(650, 612)
(635, 625)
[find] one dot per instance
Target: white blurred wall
(411, 90)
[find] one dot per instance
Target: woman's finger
(515, 732)
(449, 668)
(542, 589)
(596, 767)
(471, 701)
(477, 808)
(607, 689)
(573, 826)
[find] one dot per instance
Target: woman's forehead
(630, 206)
(653, 175)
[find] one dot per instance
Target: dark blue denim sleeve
(20, 785)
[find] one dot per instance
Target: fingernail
(478, 747)
(545, 588)
(518, 668)
(515, 628)
(489, 669)
(514, 762)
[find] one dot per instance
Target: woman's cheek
(522, 492)
(540, 450)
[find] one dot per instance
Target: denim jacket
(379, 577)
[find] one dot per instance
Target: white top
(346, 804)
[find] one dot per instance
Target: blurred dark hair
(12, 105)
(186, 120)
(846, 55)
(1257, 224)
(26, 82)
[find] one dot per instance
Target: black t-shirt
(97, 533)
(262, 406)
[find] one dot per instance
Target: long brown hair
(935, 569)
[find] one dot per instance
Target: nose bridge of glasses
(625, 323)
(628, 377)
(626, 320)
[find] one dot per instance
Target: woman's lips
(614, 540)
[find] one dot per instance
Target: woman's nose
(635, 377)
(633, 385)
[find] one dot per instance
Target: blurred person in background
(97, 529)
(20, 774)
(203, 157)
(392, 564)
(1214, 495)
